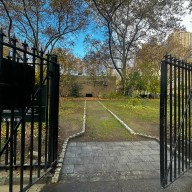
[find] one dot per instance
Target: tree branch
(30, 24)
(10, 19)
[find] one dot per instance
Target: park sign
(6, 113)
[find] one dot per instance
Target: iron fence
(175, 119)
(29, 99)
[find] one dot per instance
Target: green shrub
(75, 90)
(134, 101)
(112, 95)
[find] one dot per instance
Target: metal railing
(175, 119)
(29, 100)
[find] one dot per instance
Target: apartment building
(185, 38)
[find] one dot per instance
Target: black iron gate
(175, 119)
(29, 99)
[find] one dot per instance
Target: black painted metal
(29, 126)
(175, 119)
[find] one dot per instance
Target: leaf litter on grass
(102, 126)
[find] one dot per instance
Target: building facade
(182, 43)
(185, 38)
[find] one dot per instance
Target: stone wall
(90, 86)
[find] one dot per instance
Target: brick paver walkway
(92, 161)
(114, 167)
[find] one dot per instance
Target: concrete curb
(59, 167)
(127, 127)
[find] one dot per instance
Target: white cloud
(187, 22)
(187, 18)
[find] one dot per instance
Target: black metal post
(1, 47)
(54, 108)
(171, 116)
(25, 45)
(47, 113)
(1, 59)
(179, 116)
(163, 98)
(175, 115)
(32, 121)
(189, 117)
(40, 113)
(182, 106)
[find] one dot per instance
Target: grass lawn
(102, 126)
(70, 118)
(142, 115)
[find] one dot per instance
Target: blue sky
(79, 48)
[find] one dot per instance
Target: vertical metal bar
(183, 121)
(53, 115)
(23, 127)
(32, 123)
(1, 49)
(179, 117)
(50, 141)
(15, 145)
(56, 104)
(165, 134)
(186, 121)
(11, 152)
(14, 41)
(171, 116)
(1, 46)
(40, 113)
(163, 96)
(47, 113)
(0, 132)
(1, 59)
(189, 127)
(22, 155)
(7, 136)
(175, 115)
(56, 86)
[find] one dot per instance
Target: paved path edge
(127, 127)
(58, 169)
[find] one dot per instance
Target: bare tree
(94, 64)
(4, 10)
(69, 64)
(43, 23)
(130, 22)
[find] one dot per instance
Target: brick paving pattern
(104, 161)
(114, 167)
